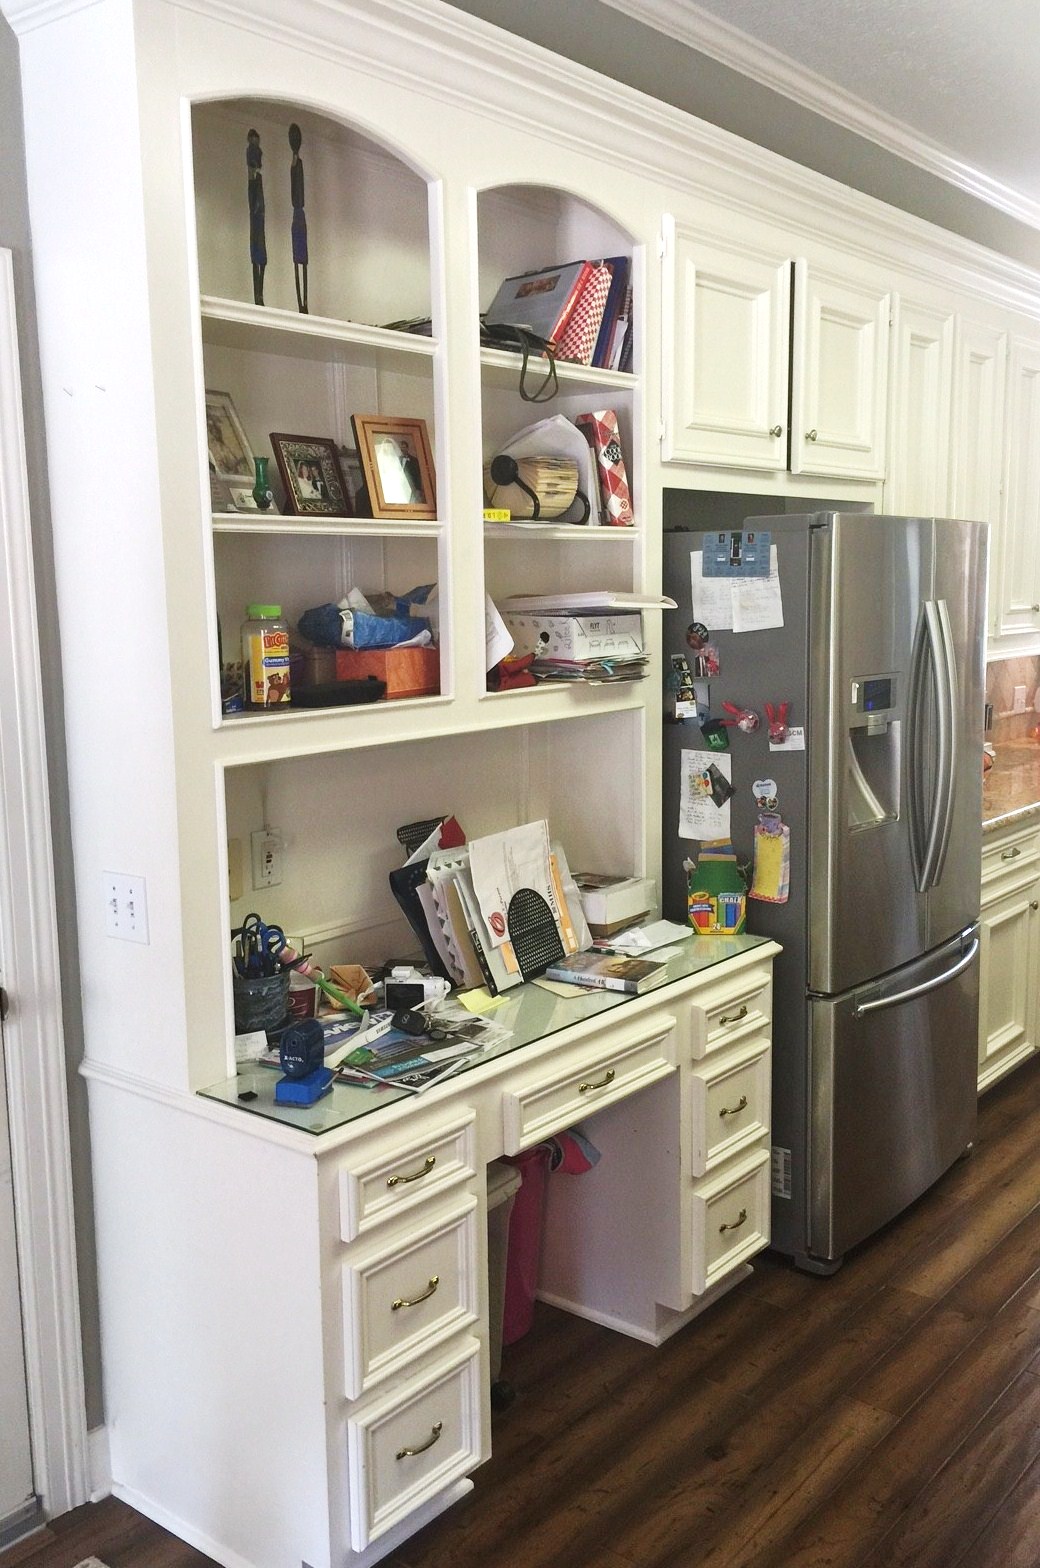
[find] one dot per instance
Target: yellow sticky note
(479, 1000)
(769, 864)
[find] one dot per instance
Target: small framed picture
(350, 463)
(230, 455)
(313, 479)
(397, 465)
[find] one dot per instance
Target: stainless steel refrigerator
(880, 658)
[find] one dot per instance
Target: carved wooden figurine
(299, 218)
(257, 234)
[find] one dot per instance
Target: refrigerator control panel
(873, 695)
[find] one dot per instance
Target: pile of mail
(495, 911)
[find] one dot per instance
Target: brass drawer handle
(405, 1301)
(428, 1164)
(435, 1432)
(733, 1018)
(736, 1224)
(583, 1088)
(731, 1110)
(1010, 854)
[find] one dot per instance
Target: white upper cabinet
(919, 479)
(726, 350)
(976, 471)
(1019, 553)
(839, 374)
(770, 363)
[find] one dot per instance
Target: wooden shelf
(500, 367)
(282, 527)
(571, 533)
(229, 323)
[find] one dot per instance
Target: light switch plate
(126, 906)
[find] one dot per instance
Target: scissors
(257, 947)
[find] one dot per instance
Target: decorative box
(408, 672)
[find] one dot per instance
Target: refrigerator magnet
(696, 635)
(795, 740)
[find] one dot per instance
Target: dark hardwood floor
(888, 1417)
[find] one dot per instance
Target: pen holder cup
(261, 1002)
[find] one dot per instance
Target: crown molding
(435, 51)
(26, 15)
(690, 25)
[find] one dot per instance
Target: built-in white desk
(308, 1310)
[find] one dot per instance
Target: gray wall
(14, 236)
(631, 52)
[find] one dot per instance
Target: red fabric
(525, 1243)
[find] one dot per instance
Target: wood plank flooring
(888, 1417)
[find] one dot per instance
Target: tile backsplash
(1002, 677)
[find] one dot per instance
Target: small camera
(405, 987)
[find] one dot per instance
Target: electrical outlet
(1019, 704)
(236, 885)
(126, 906)
(266, 846)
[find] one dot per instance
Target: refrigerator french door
(880, 658)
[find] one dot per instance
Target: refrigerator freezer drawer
(893, 1093)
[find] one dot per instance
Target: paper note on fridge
(757, 601)
(712, 597)
(706, 790)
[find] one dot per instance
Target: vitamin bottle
(265, 656)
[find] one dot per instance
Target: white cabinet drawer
(398, 1176)
(405, 1448)
(1007, 861)
(585, 1080)
(730, 1217)
(730, 1094)
(730, 1011)
(408, 1297)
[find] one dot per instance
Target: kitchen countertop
(1011, 788)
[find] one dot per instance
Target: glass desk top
(528, 1012)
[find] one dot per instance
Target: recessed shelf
(572, 533)
(282, 527)
(230, 323)
(502, 368)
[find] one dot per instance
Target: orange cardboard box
(408, 672)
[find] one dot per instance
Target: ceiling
(949, 84)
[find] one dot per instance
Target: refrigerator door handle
(916, 813)
(948, 699)
(942, 807)
(922, 989)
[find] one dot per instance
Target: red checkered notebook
(601, 432)
(578, 342)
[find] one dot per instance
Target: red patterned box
(601, 432)
(408, 672)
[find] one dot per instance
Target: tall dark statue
(299, 218)
(257, 234)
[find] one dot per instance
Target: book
(578, 341)
(591, 599)
(542, 302)
(603, 972)
(619, 273)
(601, 432)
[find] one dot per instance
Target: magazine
(608, 973)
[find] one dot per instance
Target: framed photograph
(230, 455)
(350, 463)
(313, 479)
(397, 465)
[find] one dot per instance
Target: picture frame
(397, 465)
(350, 463)
(230, 455)
(311, 475)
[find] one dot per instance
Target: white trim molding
(691, 25)
(32, 1033)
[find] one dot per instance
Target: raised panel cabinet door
(1010, 949)
(839, 375)
(920, 397)
(979, 392)
(726, 351)
(1019, 608)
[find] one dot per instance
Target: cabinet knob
(776, 430)
(811, 436)
(1035, 608)
(1034, 904)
